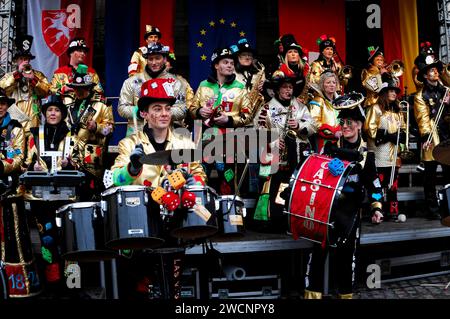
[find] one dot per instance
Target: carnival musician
(157, 98)
(371, 76)
(91, 123)
(221, 102)
(16, 253)
(65, 75)
(26, 85)
(323, 112)
(326, 59)
(385, 128)
(294, 123)
(295, 66)
(351, 147)
(51, 136)
(428, 103)
(425, 49)
(156, 55)
(138, 61)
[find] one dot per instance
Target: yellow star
(199, 44)
(203, 57)
(233, 24)
(212, 23)
(242, 34)
(203, 32)
(222, 21)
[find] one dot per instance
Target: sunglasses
(349, 122)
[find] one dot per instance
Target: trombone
(406, 154)
(437, 119)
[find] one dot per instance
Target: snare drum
(444, 205)
(193, 224)
(316, 210)
(83, 232)
(129, 221)
(231, 216)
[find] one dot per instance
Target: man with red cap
(138, 61)
(77, 53)
(26, 86)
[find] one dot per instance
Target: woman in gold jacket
(383, 122)
(51, 136)
(326, 60)
(323, 112)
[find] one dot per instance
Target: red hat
(156, 90)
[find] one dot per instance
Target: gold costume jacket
(371, 80)
(317, 68)
(137, 62)
(28, 95)
(153, 174)
(425, 121)
(387, 120)
(232, 98)
(65, 74)
(131, 91)
(89, 147)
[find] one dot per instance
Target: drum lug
(217, 202)
(103, 207)
(69, 215)
(145, 198)
(58, 222)
(244, 212)
(119, 199)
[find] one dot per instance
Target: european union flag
(216, 24)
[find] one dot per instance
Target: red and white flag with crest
(53, 23)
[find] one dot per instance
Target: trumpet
(396, 68)
(346, 73)
(27, 69)
(406, 154)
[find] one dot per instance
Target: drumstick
(239, 185)
(136, 127)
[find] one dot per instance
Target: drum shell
(444, 205)
(20, 269)
(231, 224)
(83, 233)
(129, 222)
(192, 226)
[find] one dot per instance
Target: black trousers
(343, 267)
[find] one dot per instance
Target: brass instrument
(287, 132)
(406, 154)
(305, 95)
(27, 69)
(396, 68)
(445, 75)
(346, 73)
(438, 118)
(348, 101)
(254, 96)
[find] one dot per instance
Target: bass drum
(83, 232)
(319, 210)
(129, 221)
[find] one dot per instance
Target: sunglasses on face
(349, 122)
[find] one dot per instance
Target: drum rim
(124, 188)
(78, 205)
(294, 177)
(238, 198)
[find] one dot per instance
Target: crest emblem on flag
(56, 31)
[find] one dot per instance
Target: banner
(53, 23)
(308, 20)
(216, 24)
(160, 14)
(121, 40)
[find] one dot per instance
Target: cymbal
(441, 152)
(171, 157)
